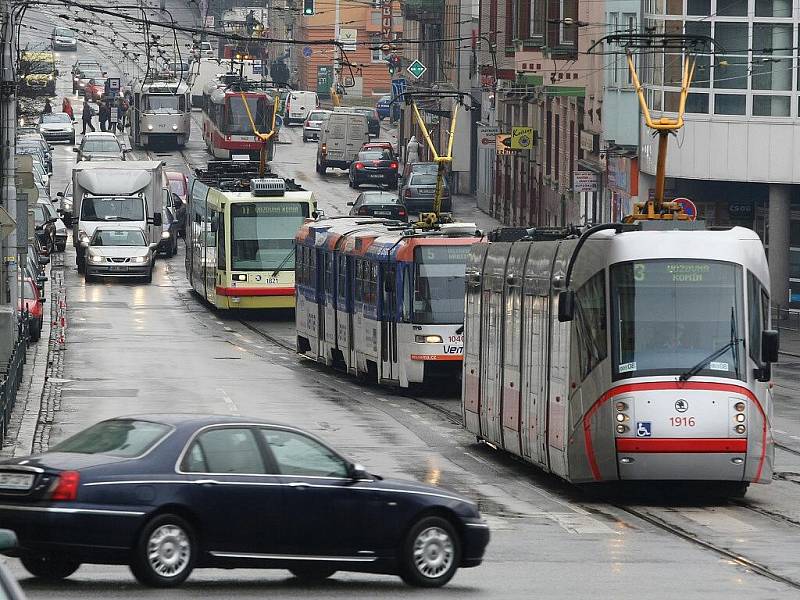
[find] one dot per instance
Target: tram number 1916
(682, 421)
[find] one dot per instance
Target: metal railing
(11, 376)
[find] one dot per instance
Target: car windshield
(380, 199)
(39, 67)
(56, 118)
(669, 315)
(263, 235)
(90, 73)
(164, 103)
(106, 145)
(439, 284)
(64, 32)
(375, 155)
(118, 237)
(114, 208)
(177, 186)
(126, 438)
(424, 179)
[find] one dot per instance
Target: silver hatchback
(313, 124)
(119, 251)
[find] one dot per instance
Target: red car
(178, 184)
(95, 89)
(32, 302)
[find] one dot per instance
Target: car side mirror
(8, 540)
(566, 306)
(358, 472)
(44, 260)
(770, 343)
(157, 220)
(351, 204)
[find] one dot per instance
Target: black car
(373, 167)
(167, 493)
(168, 245)
(373, 120)
(419, 191)
(379, 204)
(45, 228)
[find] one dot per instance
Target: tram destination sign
(268, 209)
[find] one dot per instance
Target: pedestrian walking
(412, 150)
(87, 115)
(250, 22)
(48, 109)
(66, 107)
(122, 112)
(105, 115)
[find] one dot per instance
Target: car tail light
(308, 123)
(394, 165)
(363, 210)
(359, 165)
(324, 148)
(401, 212)
(66, 486)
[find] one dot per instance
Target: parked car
(64, 38)
(57, 127)
(419, 190)
(32, 302)
(383, 107)
(65, 204)
(313, 124)
(60, 236)
(8, 584)
(100, 146)
(26, 142)
(340, 140)
(376, 167)
(168, 245)
(40, 176)
(119, 251)
(325, 513)
(377, 203)
(45, 228)
(178, 184)
(35, 264)
(373, 122)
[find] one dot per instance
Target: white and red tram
(624, 354)
(227, 126)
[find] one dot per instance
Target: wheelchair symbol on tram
(643, 429)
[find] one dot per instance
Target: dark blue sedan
(167, 493)
(383, 106)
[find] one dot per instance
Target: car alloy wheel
(49, 568)
(166, 552)
(431, 554)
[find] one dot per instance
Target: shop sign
(590, 142)
(741, 210)
(584, 181)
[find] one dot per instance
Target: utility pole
(337, 51)
(16, 247)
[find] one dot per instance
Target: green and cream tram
(240, 238)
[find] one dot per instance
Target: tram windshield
(668, 316)
(164, 103)
(236, 120)
(262, 235)
(112, 208)
(439, 284)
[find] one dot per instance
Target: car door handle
(206, 481)
(300, 485)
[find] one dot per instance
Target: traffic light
(394, 64)
(308, 7)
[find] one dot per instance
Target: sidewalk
(465, 210)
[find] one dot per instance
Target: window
(262, 234)
(590, 323)
(730, 104)
(297, 454)
(126, 438)
(756, 324)
(698, 7)
(774, 8)
(568, 34)
(771, 106)
(221, 241)
(537, 19)
(224, 450)
(375, 42)
(732, 8)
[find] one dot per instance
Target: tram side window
(407, 291)
(342, 275)
(220, 240)
(371, 277)
(590, 324)
(359, 281)
(329, 283)
(389, 308)
(758, 308)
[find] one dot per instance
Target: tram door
(388, 319)
(473, 339)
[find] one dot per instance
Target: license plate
(376, 176)
(119, 268)
(16, 481)
(382, 213)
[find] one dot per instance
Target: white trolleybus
(630, 352)
(381, 301)
(240, 235)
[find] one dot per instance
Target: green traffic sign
(416, 68)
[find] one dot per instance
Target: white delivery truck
(119, 191)
(298, 104)
(340, 140)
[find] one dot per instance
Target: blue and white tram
(381, 303)
(624, 354)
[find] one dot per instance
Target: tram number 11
(682, 421)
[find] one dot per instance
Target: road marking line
(231, 404)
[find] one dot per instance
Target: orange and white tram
(626, 353)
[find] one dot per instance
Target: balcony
(423, 10)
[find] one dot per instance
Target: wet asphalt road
(133, 347)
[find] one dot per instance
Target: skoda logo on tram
(681, 405)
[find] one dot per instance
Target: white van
(340, 140)
(299, 104)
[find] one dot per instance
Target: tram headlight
(428, 339)
(621, 406)
(174, 128)
(740, 418)
(165, 235)
(622, 428)
(622, 417)
(740, 428)
(150, 128)
(740, 406)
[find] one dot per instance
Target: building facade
(736, 158)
